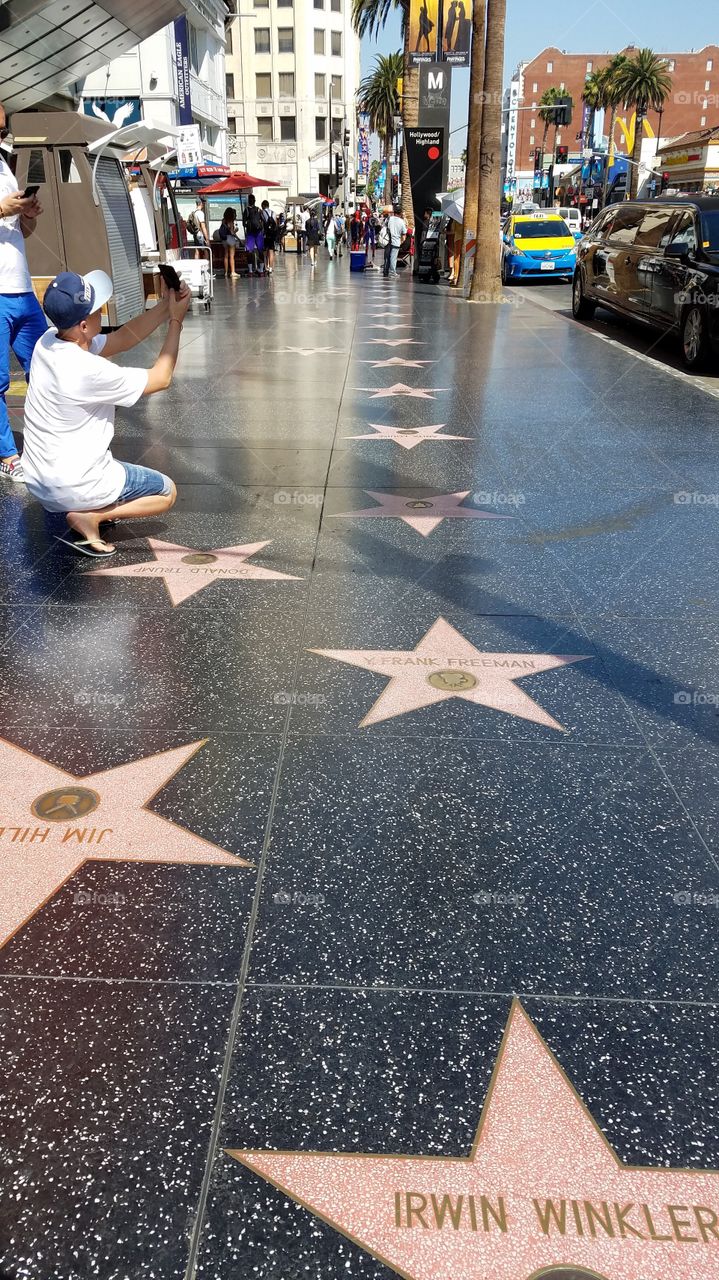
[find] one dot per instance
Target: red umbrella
(237, 181)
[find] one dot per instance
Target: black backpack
(271, 226)
(254, 220)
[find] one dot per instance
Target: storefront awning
(47, 45)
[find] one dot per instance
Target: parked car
(656, 261)
(537, 244)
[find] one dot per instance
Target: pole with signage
(423, 20)
(435, 98)
(182, 71)
(425, 158)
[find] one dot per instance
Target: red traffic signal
(562, 155)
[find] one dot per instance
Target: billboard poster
(457, 32)
(189, 146)
(363, 150)
(423, 19)
(425, 158)
(114, 111)
(182, 68)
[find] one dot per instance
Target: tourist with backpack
(253, 223)
(340, 230)
(197, 228)
(270, 235)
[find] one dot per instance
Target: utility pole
(329, 167)
(346, 150)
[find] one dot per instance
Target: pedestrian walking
(197, 228)
(393, 232)
(253, 223)
(340, 222)
(370, 238)
(22, 321)
(230, 241)
(330, 232)
(281, 231)
(356, 230)
(70, 409)
(270, 236)
(313, 232)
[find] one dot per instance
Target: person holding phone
(70, 409)
(21, 318)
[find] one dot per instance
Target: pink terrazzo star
(305, 351)
(445, 665)
(406, 437)
(421, 514)
(186, 570)
(390, 327)
(53, 822)
(393, 342)
(541, 1193)
(402, 389)
(397, 362)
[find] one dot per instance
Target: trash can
(358, 258)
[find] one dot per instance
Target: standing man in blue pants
(22, 320)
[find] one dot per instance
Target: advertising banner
(423, 19)
(189, 146)
(363, 150)
(115, 111)
(182, 69)
(457, 32)
(425, 158)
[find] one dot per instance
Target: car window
(601, 226)
(710, 221)
(654, 225)
(685, 233)
(627, 221)
(542, 229)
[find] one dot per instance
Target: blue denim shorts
(143, 482)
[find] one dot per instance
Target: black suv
(656, 261)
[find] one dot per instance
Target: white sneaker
(12, 470)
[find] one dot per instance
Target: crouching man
(70, 410)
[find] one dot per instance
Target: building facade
(142, 83)
(693, 104)
(293, 69)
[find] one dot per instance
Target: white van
(573, 219)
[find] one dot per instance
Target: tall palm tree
(378, 98)
(368, 19)
(548, 99)
(644, 83)
(592, 98)
(485, 282)
(472, 177)
(611, 98)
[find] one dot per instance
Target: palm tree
(592, 98)
(643, 83)
(548, 99)
(485, 282)
(611, 98)
(368, 19)
(472, 177)
(378, 98)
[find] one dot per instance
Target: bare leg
(232, 259)
(227, 260)
(88, 522)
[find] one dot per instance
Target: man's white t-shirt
(14, 271)
(70, 422)
(397, 228)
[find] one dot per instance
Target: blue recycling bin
(358, 258)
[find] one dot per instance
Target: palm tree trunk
(610, 154)
(474, 139)
(388, 169)
(410, 119)
(636, 153)
(486, 284)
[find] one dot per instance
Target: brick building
(693, 104)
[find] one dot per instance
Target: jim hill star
(541, 1193)
(446, 665)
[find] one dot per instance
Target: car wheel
(694, 338)
(582, 308)
(505, 277)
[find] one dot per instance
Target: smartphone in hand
(29, 192)
(170, 276)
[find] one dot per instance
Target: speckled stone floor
(359, 900)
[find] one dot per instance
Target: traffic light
(395, 186)
(563, 112)
(346, 139)
(665, 182)
(537, 159)
(339, 167)
(562, 155)
(352, 186)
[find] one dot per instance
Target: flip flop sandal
(84, 546)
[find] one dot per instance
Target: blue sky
(592, 27)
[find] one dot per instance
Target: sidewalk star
(397, 362)
(53, 822)
(402, 389)
(541, 1193)
(421, 514)
(186, 570)
(446, 665)
(406, 437)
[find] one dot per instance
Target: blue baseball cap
(70, 298)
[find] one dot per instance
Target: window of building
(69, 171)
(702, 122)
(535, 87)
(550, 68)
(284, 4)
(287, 84)
(262, 4)
(288, 130)
(319, 4)
(336, 44)
(532, 123)
(337, 123)
(264, 128)
(319, 40)
(337, 88)
(232, 124)
(590, 66)
(263, 85)
(707, 86)
(320, 86)
(229, 84)
(262, 39)
(320, 129)
(710, 64)
(531, 139)
(192, 42)
(285, 40)
(336, 6)
(228, 39)
(671, 64)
